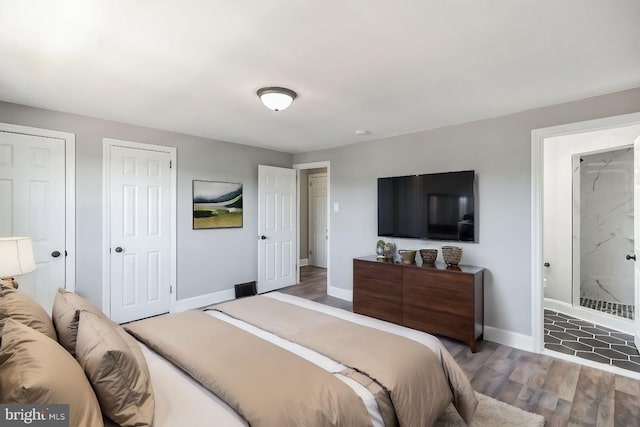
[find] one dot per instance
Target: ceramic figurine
(389, 249)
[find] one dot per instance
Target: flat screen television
(438, 206)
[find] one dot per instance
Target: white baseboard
(512, 339)
(345, 294)
(303, 262)
(205, 300)
(589, 315)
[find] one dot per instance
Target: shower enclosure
(603, 231)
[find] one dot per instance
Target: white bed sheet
(182, 401)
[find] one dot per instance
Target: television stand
(437, 299)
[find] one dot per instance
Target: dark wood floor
(565, 393)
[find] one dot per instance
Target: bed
(271, 360)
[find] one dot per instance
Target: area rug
(492, 413)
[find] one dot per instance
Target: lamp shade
(276, 98)
(16, 256)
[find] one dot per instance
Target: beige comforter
(420, 384)
(268, 386)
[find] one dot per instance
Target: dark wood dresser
(432, 298)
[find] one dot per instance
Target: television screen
(432, 206)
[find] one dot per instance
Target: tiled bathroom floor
(587, 340)
(621, 310)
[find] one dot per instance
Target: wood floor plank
(627, 411)
(535, 400)
(565, 393)
(628, 385)
(508, 392)
(560, 416)
(606, 411)
(562, 379)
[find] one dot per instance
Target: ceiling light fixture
(276, 98)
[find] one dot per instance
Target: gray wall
(499, 150)
(208, 260)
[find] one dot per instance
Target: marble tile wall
(606, 225)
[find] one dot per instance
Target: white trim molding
(508, 338)
(537, 199)
(345, 294)
(303, 263)
(107, 143)
(202, 301)
(70, 192)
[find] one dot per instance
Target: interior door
(636, 235)
(140, 237)
(276, 228)
(318, 220)
(32, 190)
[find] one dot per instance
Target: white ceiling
(390, 67)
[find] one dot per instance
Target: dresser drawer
(377, 270)
(377, 298)
(378, 308)
(421, 296)
(440, 279)
(440, 323)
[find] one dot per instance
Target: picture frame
(217, 204)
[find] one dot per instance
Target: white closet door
(32, 190)
(140, 233)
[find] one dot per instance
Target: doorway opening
(313, 226)
(584, 242)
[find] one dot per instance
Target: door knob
(633, 257)
(55, 254)
(263, 237)
(119, 249)
(546, 264)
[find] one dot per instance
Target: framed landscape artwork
(216, 205)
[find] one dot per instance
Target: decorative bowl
(428, 255)
(451, 254)
(407, 256)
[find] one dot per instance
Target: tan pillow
(66, 310)
(37, 370)
(5, 283)
(19, 307)
(120, 381)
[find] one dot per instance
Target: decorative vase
(380, 248)
(407, 256)
(451, 255)
(428, 255)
